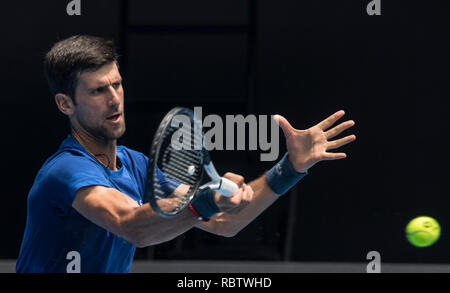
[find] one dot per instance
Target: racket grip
(227, 187)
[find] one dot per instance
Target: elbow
(131, 234)
(135, 237)
(140, 237)
(134, 233)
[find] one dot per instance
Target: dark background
(303, 59)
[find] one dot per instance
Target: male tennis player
(87, 197)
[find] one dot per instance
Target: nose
(114, 99)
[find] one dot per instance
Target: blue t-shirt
(54, 229)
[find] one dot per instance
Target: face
(99, 108)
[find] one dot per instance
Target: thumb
(284, 124)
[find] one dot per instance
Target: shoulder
(70, 161)
(72, 169)
(65, 173)
(70, 157)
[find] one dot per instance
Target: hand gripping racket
(177, 162)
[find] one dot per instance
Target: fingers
(340, 142)
(327, 123)
(241, 199)
(284, 125)
(247, 194)
(244, 193)
(238, 179)
(236, 198)
(333, 156)
(338, 129)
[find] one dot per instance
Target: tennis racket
(177, 163)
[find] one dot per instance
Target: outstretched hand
(308, 147)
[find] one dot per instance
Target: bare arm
(305, 149)
(229, 225)
(141, 225)
(119, 214)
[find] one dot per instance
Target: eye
(96, 91)
(117, 85)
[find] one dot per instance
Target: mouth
(115, 118)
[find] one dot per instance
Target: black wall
(302, 59)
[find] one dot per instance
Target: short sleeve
(137, 163)
(70, 173)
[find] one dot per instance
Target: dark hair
(70, 57)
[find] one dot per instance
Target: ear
(65, 104)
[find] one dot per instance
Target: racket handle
(227, 187)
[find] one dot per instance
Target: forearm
(266, 190)
(229, 225)
(146, 227)
(121, 215)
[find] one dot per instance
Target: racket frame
(152, 164)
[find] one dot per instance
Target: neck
(103, 150)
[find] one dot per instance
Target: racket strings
(180, 166)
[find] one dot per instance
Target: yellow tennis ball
(423, 231)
